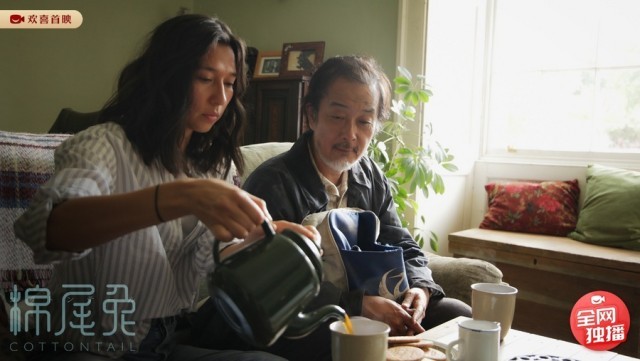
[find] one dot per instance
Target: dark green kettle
(262, 289)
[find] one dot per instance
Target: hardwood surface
(552, 273)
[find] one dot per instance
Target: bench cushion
(549, 207)
(610, 215)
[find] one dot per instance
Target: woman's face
(212, 89)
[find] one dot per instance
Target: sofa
(26, 161)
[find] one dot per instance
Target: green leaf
(402, 89)
(402, 81)
(421, 177)
(405, 151)
(450, 167)
(411, 169)
(419, 240)
(413, 203)
(412, 97)
(405, 72)
(423, 96)
(428, 175)
(437, 184)
(434, 244)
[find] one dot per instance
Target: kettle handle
(268, 234)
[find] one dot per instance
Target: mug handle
(450, 351)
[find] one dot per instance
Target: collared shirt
(337, 194)
(160, 266)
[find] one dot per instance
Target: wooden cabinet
(274, 109)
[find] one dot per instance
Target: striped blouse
(150, 273)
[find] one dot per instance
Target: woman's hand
(391, 313)
(228, 211)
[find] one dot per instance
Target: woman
(136, 201)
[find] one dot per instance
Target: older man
(327, 168)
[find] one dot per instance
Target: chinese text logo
(600, 321)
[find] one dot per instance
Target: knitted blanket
(26, 162)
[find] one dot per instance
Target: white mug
(367, 342)
(494, 302)
(477, 341)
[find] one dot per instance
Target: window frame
(485, 35)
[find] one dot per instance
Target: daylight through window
(563, 75)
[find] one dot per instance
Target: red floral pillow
(545, 208)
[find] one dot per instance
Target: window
(538, 77)
(564, 75)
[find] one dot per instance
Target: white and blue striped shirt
(161, 265)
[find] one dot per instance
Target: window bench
(552, 273)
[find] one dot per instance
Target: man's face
(343, 126)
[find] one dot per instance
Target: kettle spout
(305, 323)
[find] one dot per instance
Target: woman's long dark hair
(154, 96)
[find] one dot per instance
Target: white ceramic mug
(477, 341)
(494, 302)
(368, 341)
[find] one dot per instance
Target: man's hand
(415, 302)
(279, 226)
(308, 231)
(391, 313)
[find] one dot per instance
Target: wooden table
(518, 343)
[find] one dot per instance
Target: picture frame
(301, 58)
(268, 64)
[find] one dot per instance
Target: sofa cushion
(549, 207)
(610, 215)
(255, 154)
(456, 275)
(26, 162)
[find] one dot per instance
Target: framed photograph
(268, 64)
(301, 58)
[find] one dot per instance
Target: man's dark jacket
(292, 189)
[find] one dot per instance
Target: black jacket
(292, 189)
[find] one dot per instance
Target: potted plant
(411, 169)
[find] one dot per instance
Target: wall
(44, 70)
(365, 27)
